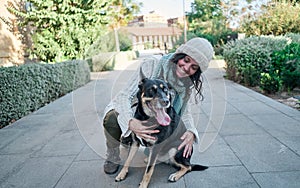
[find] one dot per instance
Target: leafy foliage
(235, 10)
(120, 12)
(206, 16)
(281, 18)
(205, 10)
(64, 29)
(273, 63)
(270, 82)
(28, 87)
(246, 58)
(105, 44)
(287, 63)
(207, 20)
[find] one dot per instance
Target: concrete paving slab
(39, 130)
(64, 144)
(29, 142)
(11, 164)
(39, 172)
(239, 124)
(88, 154)
(267, 100)
(296, 117)
(203, 124)
(292, 142)
(217, 154)
(235, 95)
(278, 179)
(216, 110)
(9, 135)
(254, 108)
(277, 124)
(263, 153)
(225, 177)
(90, 174)
(51, 121)
(34, 120)
(86, 174)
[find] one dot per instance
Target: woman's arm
(127, 97)
(188, 121)
(191, 136)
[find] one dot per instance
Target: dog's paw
(121, 176)
(143, 185)
(173, 177)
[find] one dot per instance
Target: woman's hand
(187, 142)
(142, 131)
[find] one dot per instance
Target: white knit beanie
(200, 50)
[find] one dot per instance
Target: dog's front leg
(150, 168)
(132, 151)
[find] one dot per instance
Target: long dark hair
(196, 78)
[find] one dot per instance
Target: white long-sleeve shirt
(124, 100)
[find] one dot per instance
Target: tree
(207, 20)
(64, 29)
(202, 13)
(206, 16)
(280, 18)
(236, 10)
(119, 13)
(205, 10)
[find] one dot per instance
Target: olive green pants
(112, 130)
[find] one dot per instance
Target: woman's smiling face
(186, 67)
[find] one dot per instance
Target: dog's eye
(165, 90)
(154, 89)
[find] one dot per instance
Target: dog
(154, 104)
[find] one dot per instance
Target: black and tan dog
(154, 105)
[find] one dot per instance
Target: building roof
(149, 31)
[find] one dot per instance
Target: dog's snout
(164, 101)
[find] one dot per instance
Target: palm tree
(119, 13)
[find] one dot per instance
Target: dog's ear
(143, 79)
(141, 83)
(142, 75)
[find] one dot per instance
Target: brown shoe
(111, 164)
(110, 167)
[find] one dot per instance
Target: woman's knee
(111, 119)
(111, 125)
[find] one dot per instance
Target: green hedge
(264, 61)
(106, 61)
(28, 87)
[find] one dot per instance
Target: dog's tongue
(162, 117)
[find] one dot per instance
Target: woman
(182, 70)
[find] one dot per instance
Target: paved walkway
(247, 140)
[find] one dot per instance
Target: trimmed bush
(270, 83)
(287, 63)
(246, 58)
(26, 88)
(270, 62)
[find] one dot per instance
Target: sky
(167, 8)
